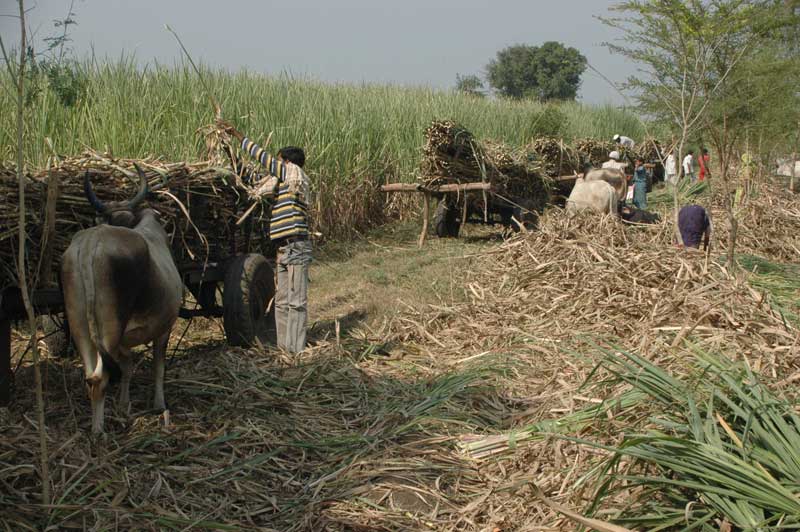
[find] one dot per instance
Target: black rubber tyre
(249, 289)
(445, 220)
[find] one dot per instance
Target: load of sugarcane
(555, 156)
(199, 203)
(451, 154)
(593, 151)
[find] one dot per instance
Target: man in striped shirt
(288, 229)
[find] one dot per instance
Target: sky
(413, 42)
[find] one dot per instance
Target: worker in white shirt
(688, 166)
(625, 142)
(614, 163)
(671, 169)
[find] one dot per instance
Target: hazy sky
(413, 42)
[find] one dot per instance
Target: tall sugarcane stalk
(21, 269)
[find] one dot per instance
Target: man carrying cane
(288, 229)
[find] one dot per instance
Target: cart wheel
(445, 220)
(249, 288)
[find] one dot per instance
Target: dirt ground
(368, 283)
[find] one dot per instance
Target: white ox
(121, 289)
(615, 178)
(593, 195)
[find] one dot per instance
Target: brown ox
(121, 289)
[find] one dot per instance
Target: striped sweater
(290, 212)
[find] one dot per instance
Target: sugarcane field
(295, 267)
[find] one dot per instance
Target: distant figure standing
(640, 185)
(703, 160)
(695, 226)
(688, 166)
(614, 163)
(671, 169)
(625, 142)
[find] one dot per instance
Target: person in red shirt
(704, 159)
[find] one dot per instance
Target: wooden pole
(464, 214)
(49, 232)
(453, 187)
(425, 214)
(21, 266)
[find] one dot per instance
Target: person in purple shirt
(695, 225)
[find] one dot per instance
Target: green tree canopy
(469, 84)
(551, 71)
(705, 64)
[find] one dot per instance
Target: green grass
(688, 192)
(346, 129)
(355, 136)
(723, 446)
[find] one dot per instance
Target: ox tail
(87, 273)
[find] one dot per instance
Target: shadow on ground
(257, 439)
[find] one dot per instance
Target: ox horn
(90, 195)
(142, 189)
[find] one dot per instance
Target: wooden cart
(236, 284)
(477, 202)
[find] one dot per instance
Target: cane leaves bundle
(722, 448)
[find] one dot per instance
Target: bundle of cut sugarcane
(555, 156)
(199, 203)
(451, 154)
(593, 151)
(650, 150)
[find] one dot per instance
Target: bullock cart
(217, 227)
(475, 181)
(460, 203)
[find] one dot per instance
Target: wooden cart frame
(453, 197)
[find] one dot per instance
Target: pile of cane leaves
(724, 450)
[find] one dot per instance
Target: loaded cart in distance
(475, 181)
(218, 236)
(459, 204)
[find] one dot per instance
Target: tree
(688, 53)
(470, 84)
(547, 72)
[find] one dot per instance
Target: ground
(387, 271)
(349, 411)
(444, 387)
